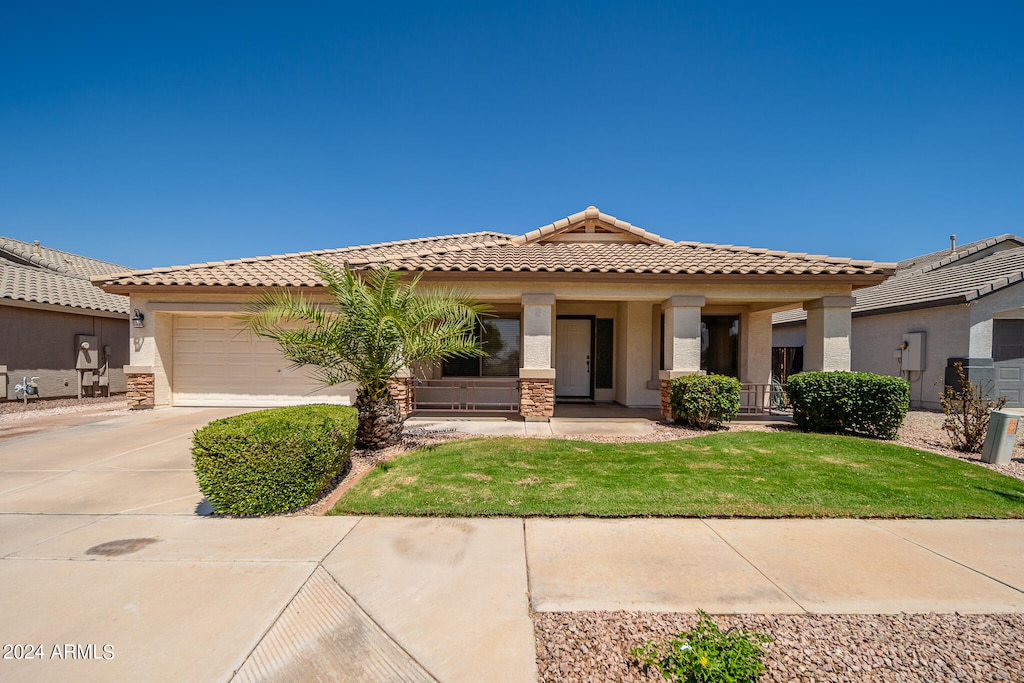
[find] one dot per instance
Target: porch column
(537, 377)
(403, 387)
(141, 388)
(682, 344)
(756, 347)
(828, 333)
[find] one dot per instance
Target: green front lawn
(746, 474)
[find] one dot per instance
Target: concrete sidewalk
(345, 598)
(117, 577)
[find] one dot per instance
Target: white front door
(572, 357)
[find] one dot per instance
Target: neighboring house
(48, 307)
(965, 302)
(588, 308)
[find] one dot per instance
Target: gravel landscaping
(810, 648)
(14, 411)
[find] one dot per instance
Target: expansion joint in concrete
(977, 571)
(526, 566)
(755, 567)
(280, 655)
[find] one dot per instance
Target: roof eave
(855, 281)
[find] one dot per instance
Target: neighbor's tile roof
(941, 278)
(496, 252)
(39, 274)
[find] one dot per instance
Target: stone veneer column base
(536, 398)
(140, 391)
(402, 390)
(666, 399)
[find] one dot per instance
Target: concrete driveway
(134, 463)
(110, 572)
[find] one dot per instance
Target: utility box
(913, 353)
(87, 352)
(1000, 438)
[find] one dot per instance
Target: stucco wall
(876, 338)
(634, 356)
(1006, 301)
(789, 335)
(41, 343)
(634, 306)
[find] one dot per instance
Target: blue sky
(200, 132)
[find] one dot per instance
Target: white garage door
(216, 364)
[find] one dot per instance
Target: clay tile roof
(628, 250)
(940, 278)
(38, 274)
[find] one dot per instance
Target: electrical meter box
(913, 354)
(87, 352)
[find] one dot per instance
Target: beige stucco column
(828, 333)
(537, 377)
(682, 343)
(756, 347)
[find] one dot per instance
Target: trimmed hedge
(705, 401)
(274, 460)
(851, 402)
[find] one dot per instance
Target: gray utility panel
(1000, 438)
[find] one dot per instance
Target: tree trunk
(380, 422)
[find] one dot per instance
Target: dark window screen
(604, 354)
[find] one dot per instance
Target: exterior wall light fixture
(138, 319)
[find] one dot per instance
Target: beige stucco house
(965, 302)
(48, 308)
(588, 308)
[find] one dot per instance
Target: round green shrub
(849, 402)
(274, 460)
(705, 401)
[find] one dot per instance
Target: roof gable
(587, 242)
(54, 260)
(972, 250)
(590, 226)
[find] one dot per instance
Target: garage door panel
(188, 346)
(216, 364)
(239, 346)
(1008, 353)
(1009, 373)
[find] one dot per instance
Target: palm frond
(380, 323)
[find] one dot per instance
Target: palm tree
(378, 326)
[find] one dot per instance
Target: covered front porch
(559, 355)
(570, 420)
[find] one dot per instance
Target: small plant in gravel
(706, 654)
(967, 412)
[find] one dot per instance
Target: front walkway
(96, 549)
